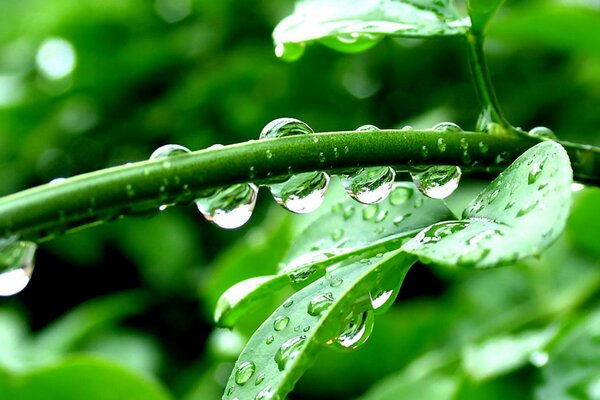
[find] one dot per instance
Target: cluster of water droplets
(300, 193)
(440, 181)
(229, 207)
(16, 265)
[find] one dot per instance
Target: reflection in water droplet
(437, 182)
(289, 51)
(281, 323)
(539, 358)
(447, 127)
(379, 297)
(356, 333)
(229, 207)
(244, 372)
(288, 351)
(16, 265)
(301, 193)
(320, 303)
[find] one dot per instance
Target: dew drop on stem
(163, 153)
(301, 193)
(16, 265)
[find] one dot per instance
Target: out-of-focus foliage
(95, 83)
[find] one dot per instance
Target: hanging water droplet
(229, 207)
(16, 265)
(289, 51)
(244, 372)
(356, 333)
(447, 127)
(320, 303)
(369, 185)
(301, 193)
(437, 182)
(541, 132)
(281, 323)
(288, 351)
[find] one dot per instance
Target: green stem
(140, 188)
(485, 89)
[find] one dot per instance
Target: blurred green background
(127, 307)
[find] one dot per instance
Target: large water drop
(356, 333)
(437, 182)
(289, 350)
(301, 193)
(289, 51)
(229, 207)
(16, 265)
(320, 303)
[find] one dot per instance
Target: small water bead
(281, 323)
(400, 218)
(441, 144)
(400, 195)
(447, 127)
(437, 232)
(259, 379)
(541, 132)
(320, 303)
(348, 212)
(356, 333)
(424, 151)
(229, 207)
(288, 304)
(244, 372)
(16, 265)
(337, 234)
(266, 394)
(289, 350)
(289, 51)
(369, 212)
(336, 282)
(301, 193)
(437, 182)
(381, 216)
(483, 147)
(269, 339)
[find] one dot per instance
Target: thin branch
(42, 212)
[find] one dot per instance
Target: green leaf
(357, 25)
(518, 215)
(405, 386)
(481, 11)
(503, 354)
(84, 378)
(285, 344)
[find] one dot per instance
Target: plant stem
(481, 75)
(42, 212)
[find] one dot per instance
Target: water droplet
(381, 216)
(229, 207)
(322, 158)
(282, 127)
(356, 333)
(400, 195)
(483, 147)
(437, 182)
(400, 218)
(265, 394)
(289, 51)
(441, 144)
(244, 372)
(320, 303)
(379, 297)
(437, 232)
(447, 127)
(288, 304)
(475, 249)
(169, 150)
(502, 158)
(336, 282)
(337, 234)
(269, 154)
(539, 358)
(289, 350)
(509, 205)
(259, 379)
(369, 185)
(269, 339)
(16, 265)
(424, 151)
(419, 202)
(407, 128)
(281, 323)
(365, 128)
(534, 173)
(230, 390)
(541, 132)
(370, 211)
(527, 208)
(349, 212)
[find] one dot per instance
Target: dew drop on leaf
(288, 351)
(269, 339)
(301, 193)
(281, 323)
(244, 372)
(319, 303)
(369, 212)
(356, 333)
(229, 207)
(437, 182)
(16, 265)
(289, 51)
(400, 195)
(437, 232)
(266, 394)
(259, 379)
